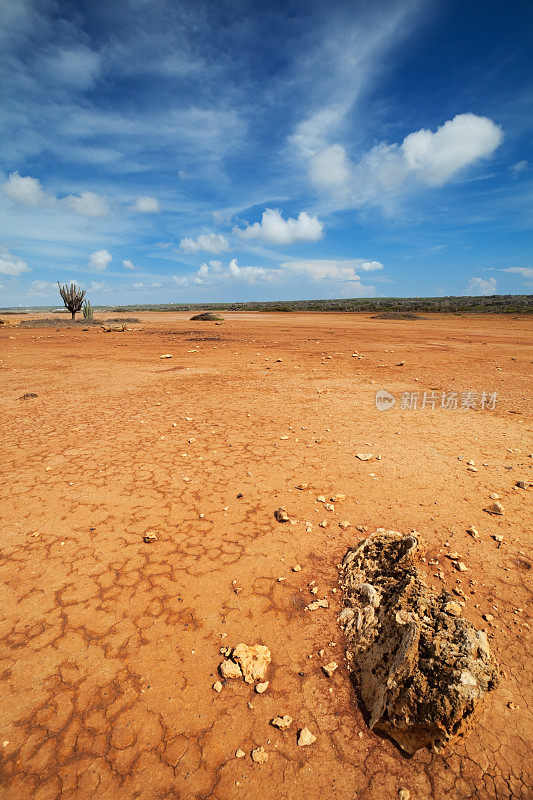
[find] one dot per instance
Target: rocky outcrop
(421, 670)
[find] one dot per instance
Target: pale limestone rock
(330, 668)
(217, 686)
(253, 661)
(281, 515)
(259, 755)
(282, 722)
(262, 687)
(364, 456)
(239, 753)
(305, 738)
(230, 670)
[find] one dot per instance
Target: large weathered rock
(421, 671)
(253, 661)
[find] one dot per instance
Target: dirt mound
(420, 669)
(206, 316)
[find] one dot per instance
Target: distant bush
(123, 319)
(206, 316)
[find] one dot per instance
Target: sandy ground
(109, 646)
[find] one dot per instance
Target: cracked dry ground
(110, 646)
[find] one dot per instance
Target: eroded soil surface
(109, 644)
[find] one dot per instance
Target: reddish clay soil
(110, 646)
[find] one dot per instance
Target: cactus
(87, 310)
(72, 297)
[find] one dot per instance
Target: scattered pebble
(150, 537)
(495, 508)
(330, 668)
(364, 456)
(281, 722)
(239, 753)
(217, 686)
(305, 738)
(262, 687)
(166, 355)
(297, 568)
(259, 755)
(281, 515)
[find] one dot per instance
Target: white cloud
(424, 157)
(138, 285)
(89, 204)
(29, 192)
(276, 230)
(214, 272)
(98, 286)
(329, 269)
(127, 264)
(208, 242)
(156, 285)
(43, 288)
(482, 286)
(100, 259)
(26, 190)
(75, 67)
(463, 140)
(146, 205)
(519, 167)
(330, 168)
(525, 272)
(10, 265)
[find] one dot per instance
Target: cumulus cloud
(273, 229)
(29, 192)
(342, 271)
(482, 286)
(26, 190)
(127, 264)
(328, 269)
(146, 205)
(424, 157)
(207, 242)
(89, 204)
(10, 265)
(100, 259)
(330, 169)
(214, 272)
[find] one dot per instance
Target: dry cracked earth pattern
(110, 645)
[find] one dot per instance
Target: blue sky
(167, 151)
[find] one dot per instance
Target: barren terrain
(109, 645)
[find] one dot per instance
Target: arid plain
(110, 644)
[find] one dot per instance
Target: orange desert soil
(110, 644)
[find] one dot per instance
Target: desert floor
(109, 646)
